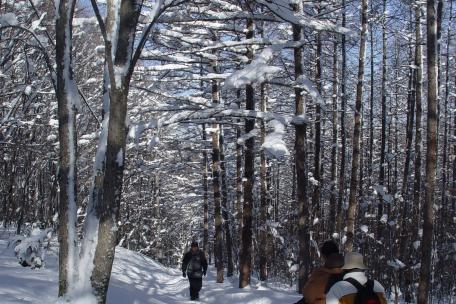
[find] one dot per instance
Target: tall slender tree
(381, 178)
(352, 204)
(225, 207)
(67, 101)
(216, 176)
(418, 114)
(318, 118)
(343, 132)
(431, 153)
(263, 229)
(205, 194)
(249, 175)
(300, 161)
(335, 98)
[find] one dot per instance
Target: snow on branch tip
(258, 71)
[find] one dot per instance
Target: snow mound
(29, 250)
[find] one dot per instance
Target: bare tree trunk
(249, 176)
(333, 197)
(278, 197)
(91, 224)
(445, 177)
(109, 207)
(226, 211)
(262, 225)
(413, 233)
(371, 104)
(343, 133)
(431, 155)
(157, 211)
(205, 195)
(418, 114)
(454, 163)
(381, 177)
(300, 163)
(66, 98)
(361, 156)
(238, 182)
(318, 117)
(112, 190)
(216, 175)
(352, 204)
(404, 212)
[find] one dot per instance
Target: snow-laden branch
(283, 10)
(274, 144)
(136, 130)
(258, 71)
(221, 112)
(193, 77)
(39, 45)
(307, 85)
(158, 8)
(245, 42)
(164, 67)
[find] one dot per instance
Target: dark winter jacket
(194, 264)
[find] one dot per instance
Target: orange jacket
(315, 287)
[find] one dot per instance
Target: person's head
(353, 262)
(328, 248)
(194, 246)
(334, 260)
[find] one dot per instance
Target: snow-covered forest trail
(136, 279)
(260, 129)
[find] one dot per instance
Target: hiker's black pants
(195, 287)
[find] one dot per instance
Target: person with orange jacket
(322, 278)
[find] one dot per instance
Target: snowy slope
(136, 279)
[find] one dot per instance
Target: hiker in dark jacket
(194, 266)
(322, 278)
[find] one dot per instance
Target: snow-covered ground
(136, 279)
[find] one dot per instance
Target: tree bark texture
(333, 196)
(431, 154)
(216, 176)
(263, 228)
(249, 178)
(343, 132)
(225, 208)
(300, 165)
(67, 138)
(109, 208)
(352, 204)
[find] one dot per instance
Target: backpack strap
(355, 283)
(369, 284)
(333, 279)
(368, 287)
